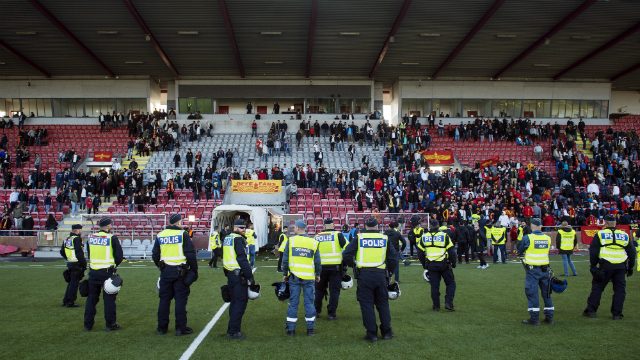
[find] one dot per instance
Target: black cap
(239, 223)
(173, 219)
(76, 227)
(536, 222)
(371, 222)
(328, 221)
(393, 224)
(104, 222)
(609, 218)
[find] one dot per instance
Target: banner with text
(438, 157)
(257, 186)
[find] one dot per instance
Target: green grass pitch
(486, 325)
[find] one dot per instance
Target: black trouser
(75, 273)
(331, 278)
(172, 287)
(239, 298)
(615, 276)
(96, 281)
(412, 245)
(480, 254)
(215, 254)
(280, 262)
(436, 272)
(463, 249)
(372, 290)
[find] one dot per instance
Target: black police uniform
(608, 272)
(330, 277)
(96, 282)
(238, 286)
(75, 270)
(372, 289)
(478, 244)
(174, 284)
(441, 269)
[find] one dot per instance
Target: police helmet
(425, 275)
(253, 291)
(282, 290)
(347, 282)
(558, 285)
(226, 293)
(113, 284)
(394, 291)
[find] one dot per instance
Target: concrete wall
(75, 89)
(625, 102)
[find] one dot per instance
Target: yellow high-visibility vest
(567, 239)
(537, 254)
(302, 250)
(171, 242)
(100, 251)
(612, 244)
(283, 244)
(498, 236)
(69, 250)
(214, 240)
(435, 246)
(487, 232)
(229, 256)
(372, 250)
(520, 233)
(329, 247)
(250, 235)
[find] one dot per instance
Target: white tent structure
(226, 214)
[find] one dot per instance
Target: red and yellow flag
(102, 156)
(438, 157)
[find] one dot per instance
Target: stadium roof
(381, 39)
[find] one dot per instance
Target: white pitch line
(203, 334)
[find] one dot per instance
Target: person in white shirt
(593, 188)
(537, 151)
(616, 191)
(504, 220)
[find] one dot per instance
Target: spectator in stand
(51, 223)
(537, 151)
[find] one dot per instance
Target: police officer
(330, 246)
(105, 254)
(498, 236)
(373, 259)
(415, 234)
(486, 233)
(611, 255)
(250, 235)
(215, 247)
(396, 239)
(174, 254)
(301, 265)
(523, 229)
(566, 241)
(72, 250)
(437, 254)
(238, 272)
(535, 247)
(282, 243)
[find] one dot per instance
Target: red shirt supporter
(548, 220)
(527, 211)
(377, 185)
(262, 175)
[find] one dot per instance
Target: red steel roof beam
(232, 36)
(394, 29)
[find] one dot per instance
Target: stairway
(587, 151)
(141, 160)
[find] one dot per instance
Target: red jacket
(527, 211)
